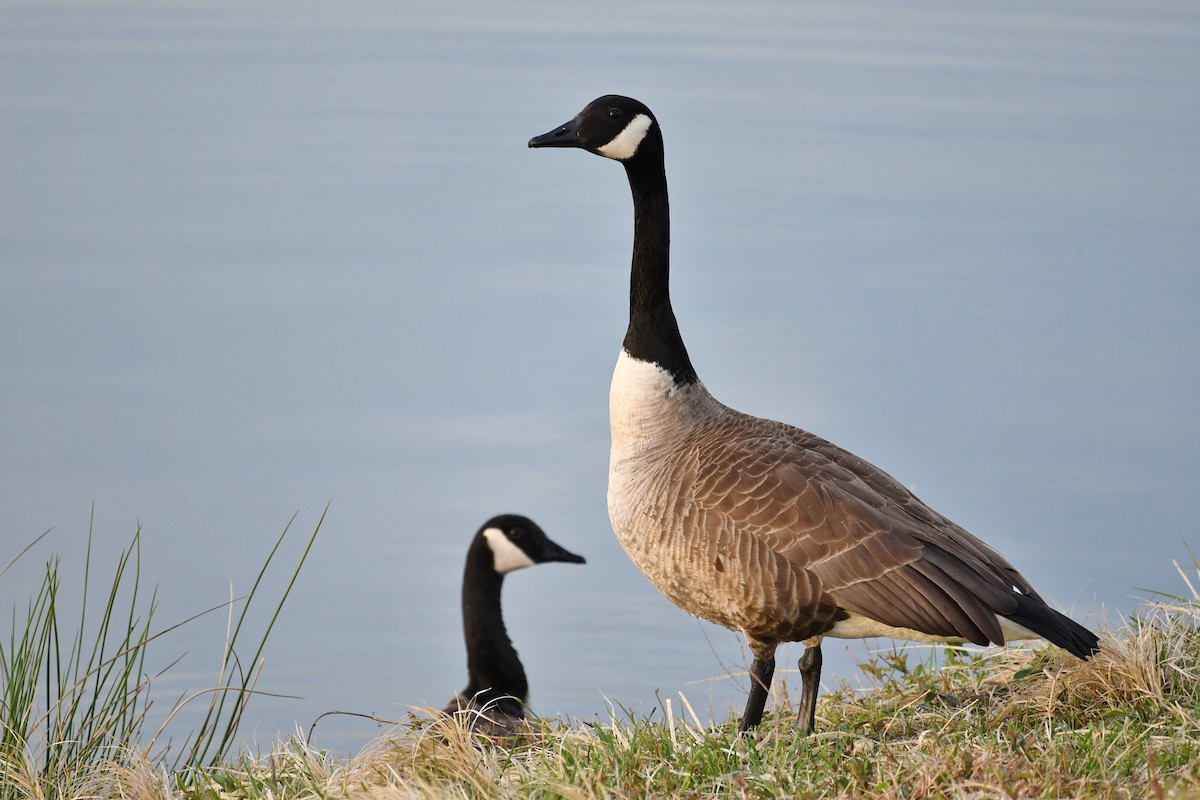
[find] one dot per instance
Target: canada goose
(760, 526)
(497, 690)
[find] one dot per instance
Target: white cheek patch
(506, 555)
(627, 141)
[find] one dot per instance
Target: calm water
(258, 260)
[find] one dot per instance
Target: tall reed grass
(75, 694)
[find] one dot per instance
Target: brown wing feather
(869, 544)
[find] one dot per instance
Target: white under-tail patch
(856, 626)
(506, 556)
(625, 144)
(1014, 632)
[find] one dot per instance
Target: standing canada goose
(497, 690)
(760, 526)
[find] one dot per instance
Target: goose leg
(810, 675)
(761, 673)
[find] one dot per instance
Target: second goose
(497, 690)
(760, 526)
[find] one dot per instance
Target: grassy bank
(1007, 722)
(999, 723)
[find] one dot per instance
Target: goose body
(758, 525)
(497, 689)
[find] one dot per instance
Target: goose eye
(614, 113)
(516, 533)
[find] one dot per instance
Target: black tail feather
(1054, 627)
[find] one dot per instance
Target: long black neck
(494, 669)
(653, 334)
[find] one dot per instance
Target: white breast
(651, 419)
(637, 407)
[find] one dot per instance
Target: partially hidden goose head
(760, 526)
(511, 542)
(495, 697)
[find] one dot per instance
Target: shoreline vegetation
(1021, 721)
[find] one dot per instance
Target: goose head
(612, 126)
(516, 542)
